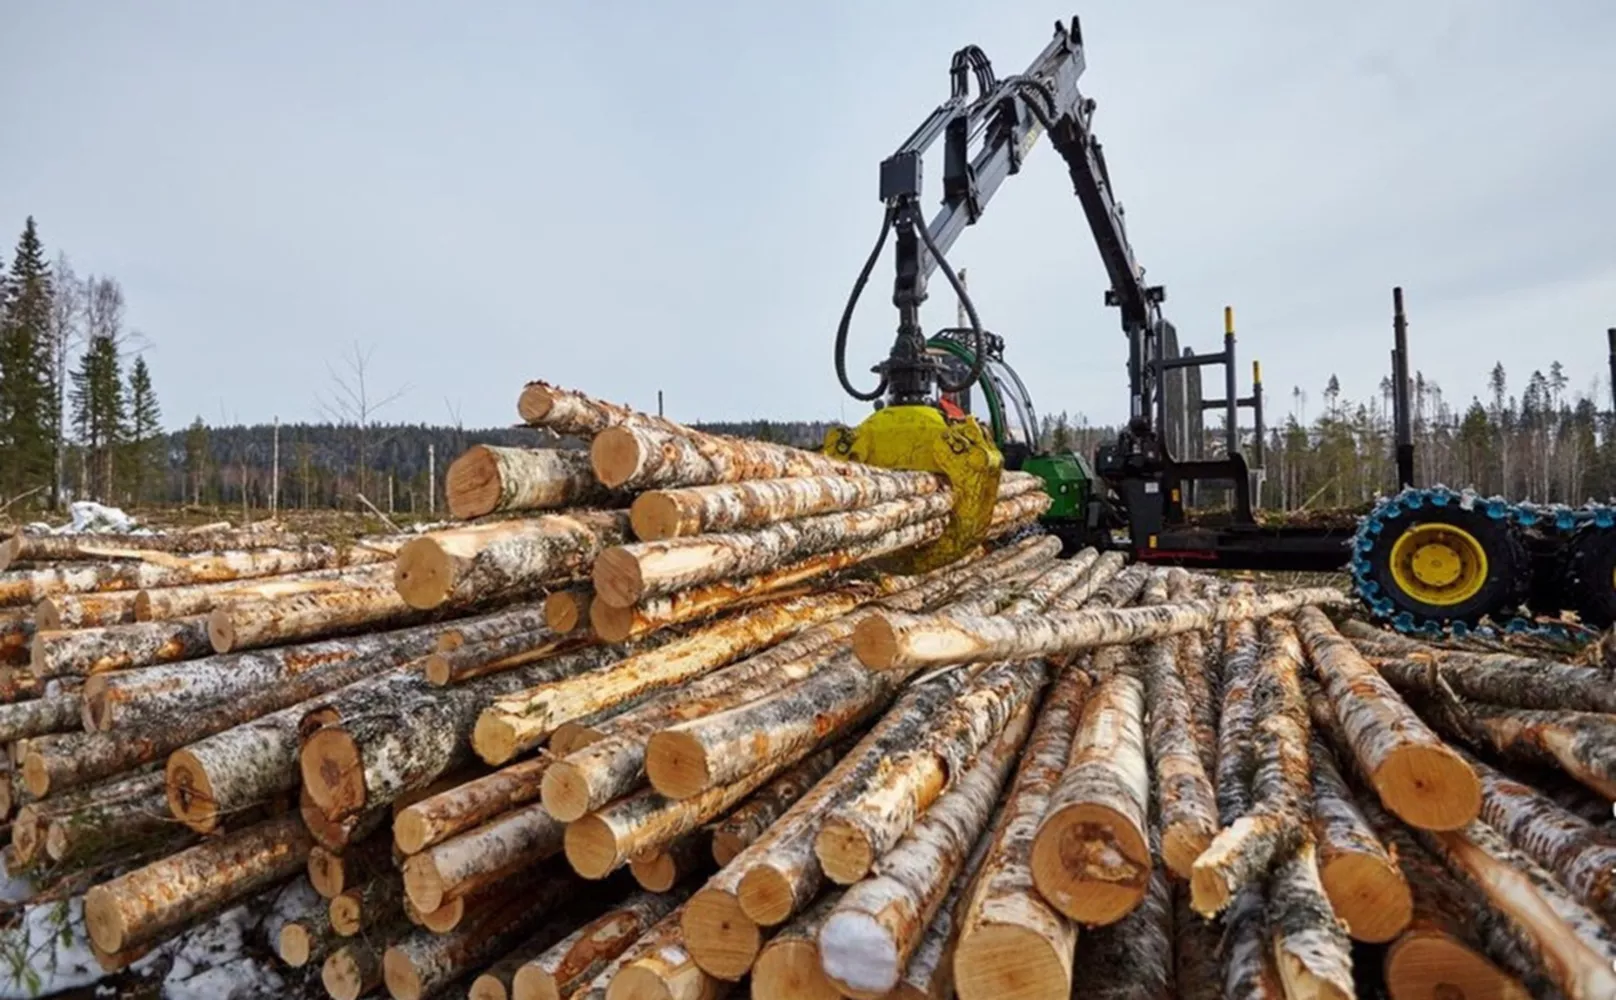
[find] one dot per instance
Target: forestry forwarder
(1426, 559)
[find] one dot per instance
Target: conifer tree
(99, 413)
(27, 384)
(145, 428)
(196, 458)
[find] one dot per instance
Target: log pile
(662, 722)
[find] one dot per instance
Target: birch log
(504, 557)
(641, 456)
(147, 903)
(1366, 888)
(498, 981)
(567, 411)
(518, 722)
(893, 641)
(777, 875)
(481, 856)
(1249, 969)
(565, 610)
(659, 515)
(488, 479)
(274, 621)
(869, 937)
(1237, 716)
(1583, 744)
(1090, 855)
(1184, 795)
(1011, 942)
(663, 869)
(1416, 775)
(23, 546)
(118, 647)
(788, 966)
(930, 972)
(423, 963)
(22, 720)
(1132, 958)
(162, 603)
(125, 817)
(660, 967)
(494, 656)
(582, 955)
(527, 617)
(1311, 949)
(1537, 684)
(629, 574)
(741, 828)
(29, 826)
(71, 611)
(307, 937)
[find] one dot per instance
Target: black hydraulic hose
(977, 347)
(847, 317)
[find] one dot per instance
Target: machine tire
(1503, 587)
(1591, 580)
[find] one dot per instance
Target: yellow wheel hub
(1438, 564)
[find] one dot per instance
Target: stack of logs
(661, 721)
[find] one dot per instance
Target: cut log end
(423, 884)
(591, 847)
(400, 975)
(565, 610)
(472, 484)
(844, 851)
(875, 643)
(611, 624)
(1181, 845)
(722, 939)
(422, 573)
(1010, 962)
(1090, 863)
(766, 896)
(104, 919)
(726, 845)
(494, 738)
(676, 764)
(564, 792)
(190, 794)
(532, 982)
(1424, 965)
(655, 517)
(1430, 787)
(411, 832)
(347, 914)
(615, 455)
(791, 969)
(333, 771)
(655, 873)
(636, 982)
(617, 578)
(1368, 894)
(326, 873)
(48, 614)
(221, 630)
(295, 945)
(342, 977)
(859, 955)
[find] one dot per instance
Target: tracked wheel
(1440, 565)
(1590, 577)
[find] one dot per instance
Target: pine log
(1184, 795)
(629, 574)
(518, 722)
(22, 720)
(481, 856)
(118, 647)
(372, 905)
(893, 640)
(332, 873)
(423, 963)
(868, 939)
(659, 515)
(1311, 949)
(741, 828)
(1366, 888)
(308, 936)
(70, 611)
(1281, 785)
(274, 621)
(856, 836)
(483, 561)
(1011, 942)
(355, 969)
(1583, 744)
(1090, 856)
(1416, 775)
(641, 456)
(259, 681)
(788, 966)
(1132, 959)
(1576, 949)
(487, 479)
(494, 656)
(507, 621)
(456, 810)
(659, 967)
(407, 743)
(566, 610)
(666, 867)
(162, 603)
(148, 903)
(579, 957)
(777, 875)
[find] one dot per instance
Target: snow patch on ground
(87, 516)
(47, 952)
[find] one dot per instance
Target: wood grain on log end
(766, 896)
(411, 832)
(726, 845)
(655, 516)
(494, 738)
(535, 403)
(423, 884)
(591, 847)
(615, 456)
(1010, 962)
(344, 974)
(1430, 787)
(1181, 845)
(190, 794)
(48, 614)
(400, 975)
(722, 939)
(36, 774)
(294, 945)
(565, 610)
(104, 919)
(472, 484)
(1090, 863)
(844, 851)
(487, 987)
(445, 918)
(676, 764)
(347, 913)
(617, 578)
(1369, 895)
(333, 771)
(791, 969)
(422, 573)
(572, 736)
(564, 792)
(221, 630)
(1428, 965)
(875, 643)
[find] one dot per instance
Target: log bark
(1249, 969)
(566, 610)
(584, 954)
(22, 720)
(126, 818)
(519, 722)
(894, 641)
(777, 875)
(22, 546)
(741, 828)
(1583, 744)
(930, 972)
(488, 479)
(456, 810)
(1184, 796)
(423, 963)
(494, 656)
(1197, 953)
(1366, 888)
(29, 828)
(1311, 949)
(1575, 948)
(1090, 855)
(868, 939)
(629, 574)
(1416, 775)
(508, 621)
(659, 515)
(371, 906)
(271, 622)
(71, 611)
(162, 603)
(147, 903)
(479, 562)
(1537, 684)
(642, 456)
(665, 868)
(1011, 942)
(854, 837)
(1018, 511)
(566, 411)
(1132, 959)
(118, 647)
(788, 966)
(1240, 652)
(660, 967)
(334, 872)
(458, 866)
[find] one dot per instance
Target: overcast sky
(625, 197)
